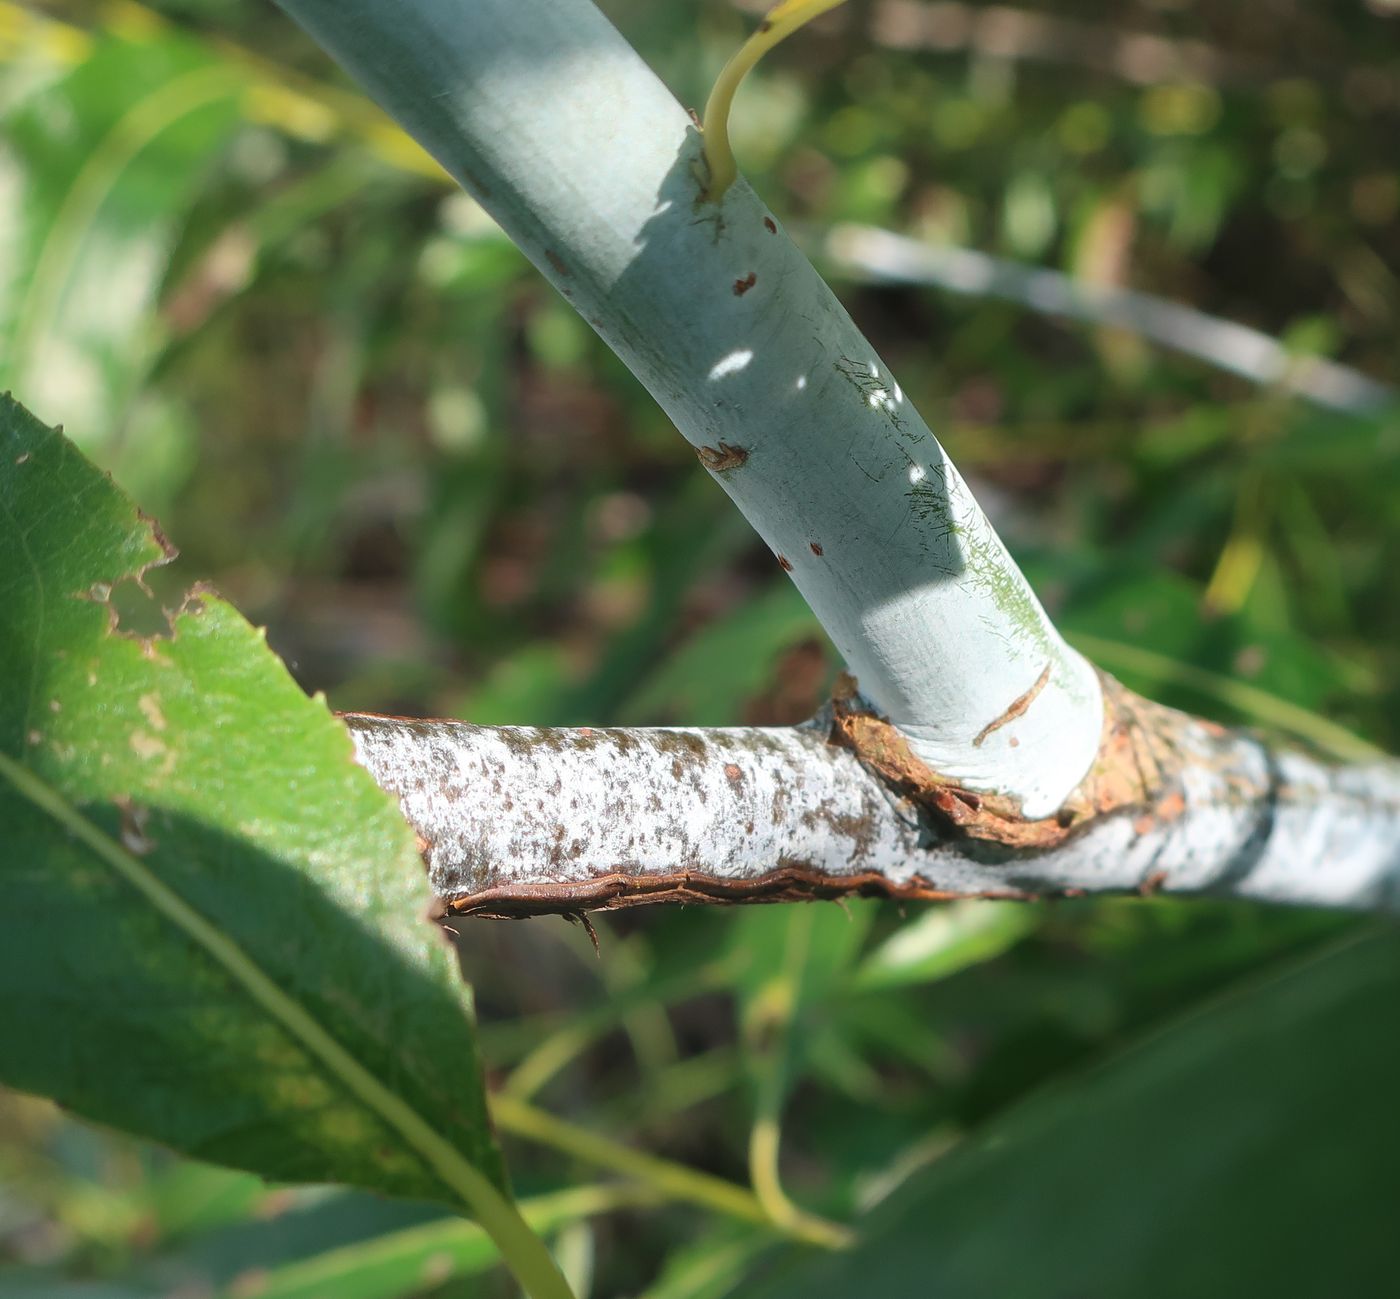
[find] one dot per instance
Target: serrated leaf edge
(497, 1215)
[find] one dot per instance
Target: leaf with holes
(215, 928)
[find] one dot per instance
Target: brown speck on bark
(722, 457)
(741, 287)
(557, 262)
(1165, 810)
(785, 563)
(1152, 883)
(1015, 709)
(1171, 807)
(770, 225)
(816, 548)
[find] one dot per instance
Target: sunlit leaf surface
(216, 927)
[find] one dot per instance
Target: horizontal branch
(518, 821)
(515, 819)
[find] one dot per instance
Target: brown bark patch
(1152, 883)
(722, 457)
(1137, 770)
(1015, 709)
(790, 881)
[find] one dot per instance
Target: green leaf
(216, 932)
(1251, 1149)
(943, 940)
(707, 678)
(797, 958)
(712, 1267)
(417, 1258)
(794, 960)
(102, 168)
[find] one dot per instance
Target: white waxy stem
(549, 118)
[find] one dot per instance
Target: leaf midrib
(473, 1188)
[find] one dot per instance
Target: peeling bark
(518, 821)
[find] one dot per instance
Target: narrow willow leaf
(417, 1258)
(215, 930)
(1249, 1150)
(101, 169)
(943, 941)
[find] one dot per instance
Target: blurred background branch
(887, 258)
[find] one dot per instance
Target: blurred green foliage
(363, 416)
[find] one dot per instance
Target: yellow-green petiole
(782, 20)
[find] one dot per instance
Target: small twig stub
(722, 457)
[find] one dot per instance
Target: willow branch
(519, 821)
(547, 116)
(983, 756)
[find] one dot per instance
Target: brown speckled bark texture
(517, 821)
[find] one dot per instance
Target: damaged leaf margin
(247, 904)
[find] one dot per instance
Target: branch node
(1137, 769)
